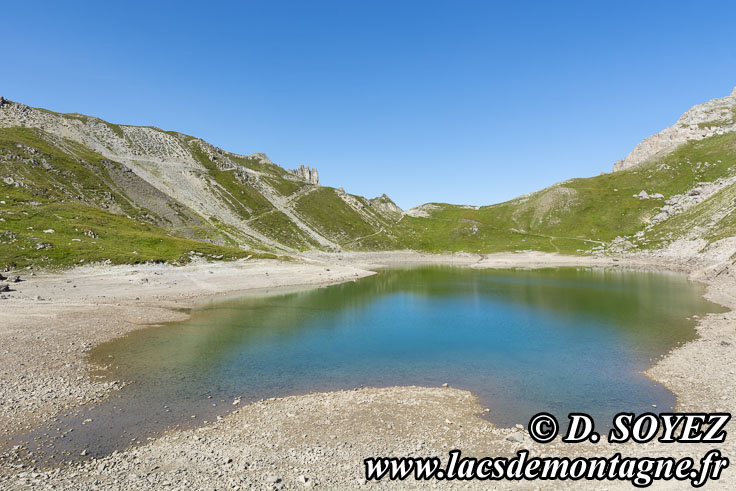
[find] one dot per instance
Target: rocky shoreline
(310, 440)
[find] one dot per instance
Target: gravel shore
(51, 320)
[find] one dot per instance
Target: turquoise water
(555, 340)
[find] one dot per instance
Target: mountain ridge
(163, 195)
(715, 117)
(227, 191)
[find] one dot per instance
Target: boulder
(515, 437)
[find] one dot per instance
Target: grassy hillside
(579, 214)
(62, 207)
(355, 226)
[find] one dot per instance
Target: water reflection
(554, 340)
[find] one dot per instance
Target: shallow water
(555, 340)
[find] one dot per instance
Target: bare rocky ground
(50, 321)
(315, 440)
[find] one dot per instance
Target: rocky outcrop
(385, 206)
(715, 117)
(309, 175)
(422, 211)
(260, 157)
(680, 203)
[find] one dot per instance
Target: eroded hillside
(179, 187)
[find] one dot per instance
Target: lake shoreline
(45, 370)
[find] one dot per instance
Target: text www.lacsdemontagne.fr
(641, 471)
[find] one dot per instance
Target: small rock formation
(682, 202)
(261, 157)
(715, 117)
(385, 206)
(422, 211)
(309, 175)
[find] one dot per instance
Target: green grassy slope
(576, 215)
(60, 205)
(325, 211)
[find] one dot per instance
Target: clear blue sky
(462, 102)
